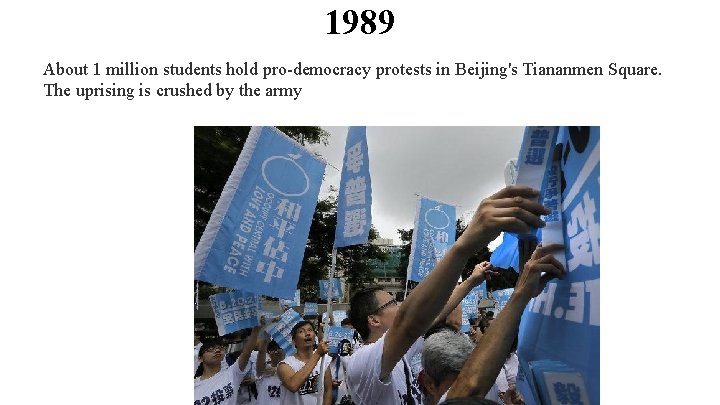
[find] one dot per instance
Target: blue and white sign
(311, 308)
(480, 291)
(235, 310)
(562, 324)
(355, 198)
(340, 339)
(506, 254)
(469, 307)
(501, 298)
(337, 291)
(280, 331)
(255, 238)
(535, 158)
(338, 316)
(433, 235)
(553, 231)
(295, 302)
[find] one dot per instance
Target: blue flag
(506, 254)
(433, 235)
(355, 198)
(235, 310)
(280, 331)
(562, 324)
(337, 292)
(255, 238)
(535, 158)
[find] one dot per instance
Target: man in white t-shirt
(300, 373)
(378, 372)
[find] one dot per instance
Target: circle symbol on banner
(283, 170)
(559, 312)
(436, 218)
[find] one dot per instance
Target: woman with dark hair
(220, 386)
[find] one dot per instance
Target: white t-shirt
(222, 388)
(337, 372)
(309, 391)
(363, 369)
(269, 389)
(508, 373)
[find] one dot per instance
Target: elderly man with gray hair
(443, 357)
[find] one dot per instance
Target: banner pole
(328, 310)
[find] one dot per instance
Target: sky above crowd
(454, 165)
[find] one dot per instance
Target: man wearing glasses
(379, 371)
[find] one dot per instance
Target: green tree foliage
(351, 262)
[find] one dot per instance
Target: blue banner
(433, 235)
(562, 324)
(337, 291)
(506, 254)
(340, 339)
(501, 298)
(469, 307)
(280, 331)
(255, 238)
(235, 310)
(311, 308)
(355, 198)
(295, 302)
(535, 158)
(553, 231)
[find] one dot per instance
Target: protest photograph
(396, 265)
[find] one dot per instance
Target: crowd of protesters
(479, 367)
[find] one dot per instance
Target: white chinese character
(283, 227)
(270, 269)
(291, 210)
(238, 315)
(354, 222)
(441, 237)
(355, 191)
(584, 234)
(227, 318)
(354, 158)
(272, 252)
